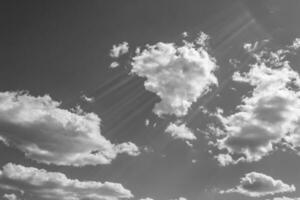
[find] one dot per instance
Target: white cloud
(45, 185)
(185, 34)
(147, 122)
(114, 64)
(87, 99)
(179, 75)
(285, 198)
(10, 197)
(257, 185)
(268, 116)
(147, 198)
(180, 198)
(49, 134)
(296, 44)
(119, 50)
(180, 132)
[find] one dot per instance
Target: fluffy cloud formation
(49, 134)
(179, 75)
(43, 185)
(10, 197)
(119, 50)
(257, 185)
(269, 116)
(180, 132)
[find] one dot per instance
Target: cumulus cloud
(179, 75)
(257, 185)
(119, 50)
(44, 185)
(180, 132)
(270, 115)
(10, 197)
(49, 134)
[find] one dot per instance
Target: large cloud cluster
(257, 185)
(269, 116)
(43, 185)
(179, 75)
(49, 134)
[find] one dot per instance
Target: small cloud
(180, 132)
(114, 65)
(147, 122)
(87, 99)
(258, 185)
(296, 44)
(119, 50)
(185, 34)
(180, 198)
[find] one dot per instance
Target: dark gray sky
(61, 48)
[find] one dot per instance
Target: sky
(150, 100)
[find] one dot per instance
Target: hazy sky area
(150, 100)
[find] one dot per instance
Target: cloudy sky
(150, 100)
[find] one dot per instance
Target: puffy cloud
(180, 132)
(49, 134)
(270, 115)
(179, 75)
(44, 185)
(10, 197)
(257, 185)
(119, 50)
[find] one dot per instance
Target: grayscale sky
(149, 99)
